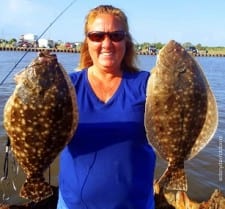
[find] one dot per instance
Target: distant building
(45, 43)
(27, 40)
(78, 45)
(29, 37)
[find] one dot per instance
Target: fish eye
(181, 70)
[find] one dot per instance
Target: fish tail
(174, 178)
(36, 189)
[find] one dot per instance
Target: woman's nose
(107, 40)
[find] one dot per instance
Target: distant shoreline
(32, 49)
(71, 50)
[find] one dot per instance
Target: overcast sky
(151, 21)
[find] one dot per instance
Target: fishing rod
(45, 30)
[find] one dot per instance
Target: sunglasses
(99, 36)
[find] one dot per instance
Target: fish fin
(174, 178)
(36, 190)
(209, 128)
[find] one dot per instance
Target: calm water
(205, 172)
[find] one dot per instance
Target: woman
(108, 164)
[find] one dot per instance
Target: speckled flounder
(40, 117)
(181, 112)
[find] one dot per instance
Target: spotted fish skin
(40, 117)
(181, 113)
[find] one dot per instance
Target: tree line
(141, 46)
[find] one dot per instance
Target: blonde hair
(130, 57)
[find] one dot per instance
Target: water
(205, 172)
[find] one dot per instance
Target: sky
(195, 21)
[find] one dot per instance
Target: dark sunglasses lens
(96, 36)
(99, 36)
(117, 36)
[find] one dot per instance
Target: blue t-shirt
(109, 163)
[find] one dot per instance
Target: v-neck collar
(94, 96)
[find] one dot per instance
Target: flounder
(40, 118)
(181, 114)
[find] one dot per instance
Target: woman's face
(106, 54)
